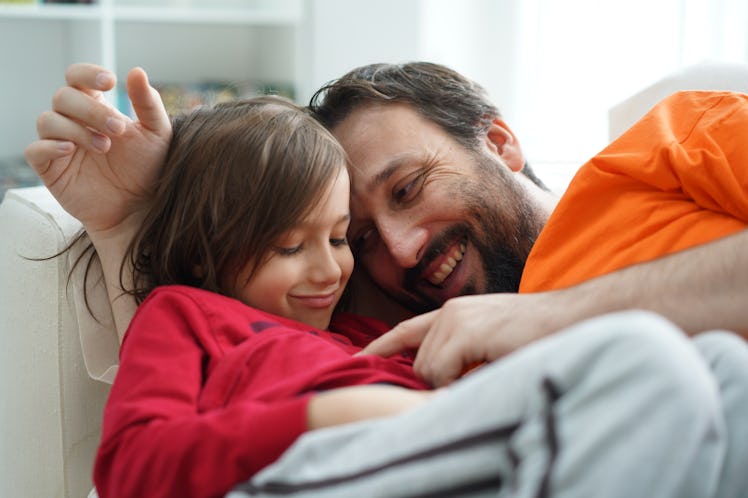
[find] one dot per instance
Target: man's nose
(404, 239)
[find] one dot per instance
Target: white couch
(708, 75)
(56, 360)
(51, 408)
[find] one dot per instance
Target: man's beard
(502, 228)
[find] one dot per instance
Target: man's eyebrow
(389, 170)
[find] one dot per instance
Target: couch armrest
(51, 417)
(704, 76)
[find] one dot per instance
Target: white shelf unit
(177, 42)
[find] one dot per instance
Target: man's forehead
(381, 138)
(377, 121)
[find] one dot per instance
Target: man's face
(431, 220)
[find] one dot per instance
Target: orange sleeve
(678, 178)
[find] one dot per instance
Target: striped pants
(618, 406)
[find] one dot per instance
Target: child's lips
(318, 301)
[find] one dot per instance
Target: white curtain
(582, 57)
(555, 67)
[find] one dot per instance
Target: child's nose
(327, 269)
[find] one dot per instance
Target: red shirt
(209, 391)
(678, 178)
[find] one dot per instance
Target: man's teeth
(447, 267)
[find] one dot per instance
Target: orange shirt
(678, 178)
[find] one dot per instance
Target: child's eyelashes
(291, 250)
(288, 251)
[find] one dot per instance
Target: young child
(239, 265)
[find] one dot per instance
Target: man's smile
(444, 264)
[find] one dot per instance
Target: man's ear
(502, 141)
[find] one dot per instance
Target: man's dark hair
(458, 105)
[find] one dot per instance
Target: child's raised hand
(99, 164)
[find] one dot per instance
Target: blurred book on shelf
(68, 1)
(182, 97)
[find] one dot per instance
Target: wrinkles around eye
(407, 192)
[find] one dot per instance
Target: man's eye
(407, 190)
(339, 242)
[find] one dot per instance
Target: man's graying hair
(458, 105)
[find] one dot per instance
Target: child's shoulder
(209, 316)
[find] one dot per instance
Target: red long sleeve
(209, 391)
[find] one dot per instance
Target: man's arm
(101, 165)
(703, 288)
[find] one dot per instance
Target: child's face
(307, 272)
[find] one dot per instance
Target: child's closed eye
(288, 251)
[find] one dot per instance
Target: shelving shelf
(57, 12)
(154, 14)
(187, 43)
(200, 15)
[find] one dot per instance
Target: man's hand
(99, 164)
(467, 331)
(102, 166)
(699, 289)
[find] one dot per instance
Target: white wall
(339, 35)
(553, 67)
(476, 37)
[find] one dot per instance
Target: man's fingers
(41, 153)
(90, 112)
(399, 339)
(147, 103)
(55, 126)
(407, 335)
(439, 364)
(90, 77)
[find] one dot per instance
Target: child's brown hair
(236, 177)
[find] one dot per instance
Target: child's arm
(351, 404)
